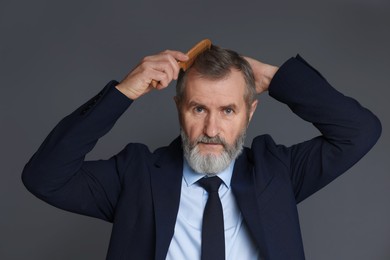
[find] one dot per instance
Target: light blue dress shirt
(186, 241)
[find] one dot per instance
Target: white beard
(211, 164)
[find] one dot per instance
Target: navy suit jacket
(139, 191)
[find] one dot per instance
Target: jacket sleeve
(57, 172)
(348, 130)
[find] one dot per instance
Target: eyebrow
(233, 106)
(195, 104)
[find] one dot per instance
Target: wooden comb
(192, 54)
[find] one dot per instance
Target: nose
(211, 125)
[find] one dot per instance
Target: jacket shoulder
(264, 146)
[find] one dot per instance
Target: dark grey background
(55, 55)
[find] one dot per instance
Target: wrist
(128, 93)
(268, 72)
(269, 75)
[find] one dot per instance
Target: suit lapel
(166, 178)
(249, 192)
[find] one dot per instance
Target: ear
(252, 109)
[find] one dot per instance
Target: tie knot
(210, 184)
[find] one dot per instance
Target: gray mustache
(215, 140)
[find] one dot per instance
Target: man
(156, 199)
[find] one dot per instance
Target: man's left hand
(263, 74)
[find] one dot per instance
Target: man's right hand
(162, 67)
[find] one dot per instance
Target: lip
(211, 144)
(211, 147)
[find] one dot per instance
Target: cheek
(192, 128)
(234, 129)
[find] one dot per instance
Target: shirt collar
(190, 176)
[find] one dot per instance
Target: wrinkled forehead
(230, 85)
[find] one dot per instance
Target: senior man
(204, 196)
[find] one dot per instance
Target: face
(214, 118)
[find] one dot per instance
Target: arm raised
(162, 67)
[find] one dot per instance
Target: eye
(228, 111)
(198, 109)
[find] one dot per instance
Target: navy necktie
(213, 233)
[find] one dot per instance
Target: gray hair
(215, 64)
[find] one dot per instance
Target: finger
(178, 55)
(161, 79)
(166, 62)
(174, 67)
(171, 67)
(169, 57)
(165, 67)
(164, 81)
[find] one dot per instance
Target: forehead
(229, 88)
